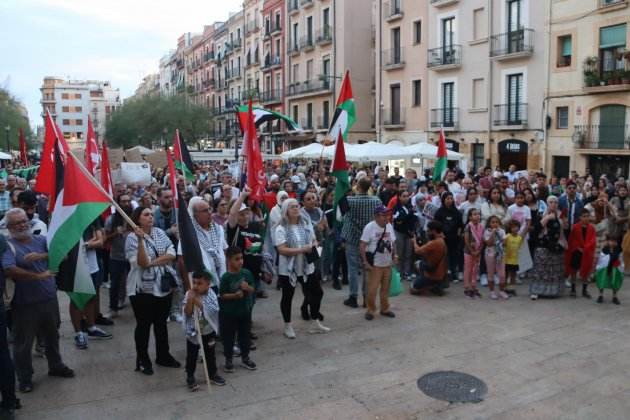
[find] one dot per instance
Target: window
(296, 44)
(66, 122)
(65, 96)
(295, 113)
(478, 157)
(78, 109)
(79, 122)
(612, 44)
(65, 109)
(417, 32)
(396, 54)
(277, 27)
(326, 17)
(267, 26)
(309, 30)
(515, 98)
(296, 71)
(416, 99)
(309, 69)
(448, 31)
(480, 24)
(562, 117)
(77, 96)
(309, 115)
(325, 114)
(448, 104)
(479, 94)
(565, 47)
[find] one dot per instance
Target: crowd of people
(489, 229)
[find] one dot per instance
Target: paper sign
(157, 159)
(133, 173)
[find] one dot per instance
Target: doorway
(561, 166)
(611, 166)
(513, 152)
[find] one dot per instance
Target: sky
(116, 40)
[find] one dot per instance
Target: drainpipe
(546, 100)
(490, 81)
(379, 98)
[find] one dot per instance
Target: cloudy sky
(116, 40)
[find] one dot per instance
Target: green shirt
(230, 283)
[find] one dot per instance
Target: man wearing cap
(360, 211)
(226, 181)
(378, 254)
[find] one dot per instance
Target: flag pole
(102, 190)
(198, 329)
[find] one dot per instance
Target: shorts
(511, 268)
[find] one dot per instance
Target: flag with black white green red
(183, 161)
(339, 170)
(441, 164)
(345, 112)
(262, 115)
(78, 203)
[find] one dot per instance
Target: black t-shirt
(250, 241)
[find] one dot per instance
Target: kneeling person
(433, 271)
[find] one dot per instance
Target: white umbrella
(375, 152)
(429, 151)
(143, 150)
(305, 151)
(5, 156)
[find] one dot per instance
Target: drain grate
(453, 386)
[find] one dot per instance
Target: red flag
(256, 179)
(92, 158)
(172, 176)
(46, 179)
(106, 178)
(23, 156)
(81, 189)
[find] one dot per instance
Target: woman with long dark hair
(452, 226)
(150, 285)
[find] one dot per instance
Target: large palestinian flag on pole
(183, 161)
(441, 164)
(340, 171)
(78, 203)
(345, 113)
(262, 116)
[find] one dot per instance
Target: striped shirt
(360, 213)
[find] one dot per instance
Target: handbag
(313, 256)
(167, 280)
(369, 256)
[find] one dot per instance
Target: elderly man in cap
(378, 254)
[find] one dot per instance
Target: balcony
(445, 58)
(325, 35)
(514, 44)
(609, 137)
(276, 29)
(393, 11)
(510, 116)
(237, 44)
(323, 123)
(307, 43)
(293, 49)
(253, 93)
(609, 5)
(252, 60)
(308, 87)
(270, 63)
(251, 27)
(447, 118)
(209, 56)
(293, 7)
(271, 96)
(220, 84)
(393, 59)
(306, 124)
(234, 73)
(394, 118)
(306, 3)
(443, 3)
(607, 74)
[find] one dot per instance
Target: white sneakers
(288, 331)
(319, 328)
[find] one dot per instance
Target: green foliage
(11, 115)
(143, 120)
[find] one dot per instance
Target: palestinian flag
(345, 113)
(183, 161)
(191, 251)
(439, 171)
(46, 178)
(340, 171)
(262, 116)
(609, 272)
(78, 203)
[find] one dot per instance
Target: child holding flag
(609, 269)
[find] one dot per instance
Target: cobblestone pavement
(549, 359)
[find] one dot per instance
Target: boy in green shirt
(237, 296)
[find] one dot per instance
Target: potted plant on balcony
(590, 78)
(605, 80)
(590, 62)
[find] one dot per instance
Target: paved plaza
(549, 359)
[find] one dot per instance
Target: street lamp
(7, 129)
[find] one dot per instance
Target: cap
(274, 177)
(295, 179)
(381, 209)
(243, 207)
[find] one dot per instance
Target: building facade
(401, 83)
(71, 101)
(589, 88)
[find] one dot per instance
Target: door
(561, 166)
(515, 27)
(448, 39)
(448, 117)
(515, 99)
(612, 121)
(309, 30)
(513, 152)
(395, 99)
(396, 52)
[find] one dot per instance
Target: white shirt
(520, 213)
(208, 260)
(371, 235)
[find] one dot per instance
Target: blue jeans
(355, 270)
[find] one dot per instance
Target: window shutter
(612, 36)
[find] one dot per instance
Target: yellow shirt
(512, 245)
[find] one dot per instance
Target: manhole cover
(453, 386)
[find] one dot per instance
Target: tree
(13, 114)
(142, 121)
